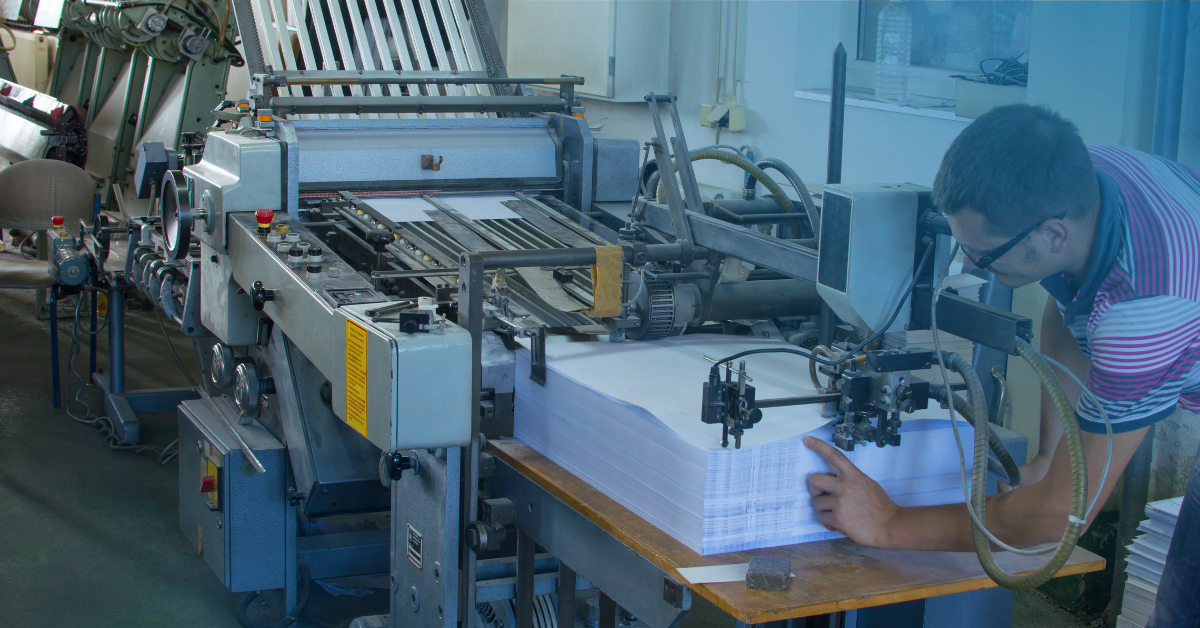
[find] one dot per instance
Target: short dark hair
(1017, 165)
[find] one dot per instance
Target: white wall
(781, 46)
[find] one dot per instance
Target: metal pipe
(577, 256)
(116, 341)
(415, 104)
(837, 116)
(398, 79)
(762, 299)
(1168, 92)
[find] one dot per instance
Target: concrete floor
(90, 537)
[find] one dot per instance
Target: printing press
(358, 274)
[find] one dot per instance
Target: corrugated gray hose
(1075, 522)
(740, 162)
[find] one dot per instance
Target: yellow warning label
(210, 470)
(356, 377)
(102, 304)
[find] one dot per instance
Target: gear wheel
(657, 310)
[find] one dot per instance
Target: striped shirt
(1137, 314)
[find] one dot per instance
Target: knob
(249, 387)
(398, 464)
(224, 365)
(264, 218)
(260, 295)
(57, 221)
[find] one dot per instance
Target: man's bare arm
(857, 506)
(1058, 343)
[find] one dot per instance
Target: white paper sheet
(413, 208)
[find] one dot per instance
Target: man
(1114, 236)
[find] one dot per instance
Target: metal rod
(797, 401)
(524, 585)
(398, 78)
(116, 341)
(249, 453)
(837, 116)
(1135, 491)
(94, 296)
(758, 218)
(608, 611)
(415, 104)
(575, 257)
(54, 340)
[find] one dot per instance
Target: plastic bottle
(893, 52)
(964, 39)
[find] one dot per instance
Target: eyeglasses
(987, 260)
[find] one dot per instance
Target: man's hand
(849, 501)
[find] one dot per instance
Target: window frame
(860, 74)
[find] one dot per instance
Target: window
(954, 35)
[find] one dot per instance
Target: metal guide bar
(413, 37)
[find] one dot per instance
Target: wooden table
(831, 576)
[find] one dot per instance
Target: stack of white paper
(1147, 561)
(626, 419)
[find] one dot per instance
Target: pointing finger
(831, 454)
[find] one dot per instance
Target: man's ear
(1055, 232)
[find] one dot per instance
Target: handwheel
(177, 214)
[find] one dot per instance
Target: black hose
(965, 409)
(814, 216)
(287, 620)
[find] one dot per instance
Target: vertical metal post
(566, 596)
(524, 601)
(608, 611)
(54, 340)
(1168, 92)
(1135, 490)
(116, 341)
(833, 163)
(93, 298)
(470, 317)
(837, 115)
(40, 309)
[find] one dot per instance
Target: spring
(486, 611)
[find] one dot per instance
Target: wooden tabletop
(831, 576)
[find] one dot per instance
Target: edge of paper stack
(1147, 561)
(626, 419)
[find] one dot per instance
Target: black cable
(849, 354)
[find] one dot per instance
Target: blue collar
(1110, 232)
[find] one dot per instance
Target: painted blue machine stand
(122, 406)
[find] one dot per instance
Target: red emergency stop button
(208, 484)
(57, 220)
(264, 217)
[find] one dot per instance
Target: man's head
(1020, 176)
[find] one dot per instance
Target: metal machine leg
(93, 299)
(54, 341)
(566, 596)
(608, 611)
(121, 406)
(524, 603)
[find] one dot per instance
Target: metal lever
(246, 451)
(667, 168)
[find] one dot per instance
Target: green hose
(740, 162)
(1074, 439)
(1003, 456)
